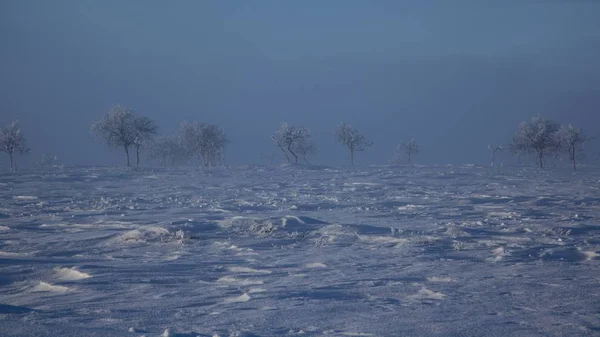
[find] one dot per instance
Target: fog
(457, 76)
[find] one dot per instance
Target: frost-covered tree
(190, 137)
(117, 128)
(349, 136)
(516, 151)
(571, 140)
(279, 142)
(494, 149)
(306, 148)
(537, 136)
(168, 149)
(205, 141)
(213, 145)
(145, 130)
(292, 139)
(12, 140)
(409, 149)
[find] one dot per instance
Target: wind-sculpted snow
(419, 251)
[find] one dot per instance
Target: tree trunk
(127, 153)
(574, 160)
(137, 154)
(409, 157)
(12, 163)
(293, 154)
(287, 158)
(352, 158)
(541, 157)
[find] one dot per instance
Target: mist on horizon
(457, 77)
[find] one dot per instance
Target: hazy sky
(457, 75)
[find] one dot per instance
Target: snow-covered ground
(413, 251)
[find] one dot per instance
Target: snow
(425, 293)
(47, 287)
(239, 281)
(25, 197)
(248, 270)
(438, 279)
(316, 265)
(379, 251)
(70, 274)
(239, 299)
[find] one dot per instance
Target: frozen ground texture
(419, 251)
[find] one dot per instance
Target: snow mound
(146, 234)
(426, 294)
(230, 246)
(382, 240)
(499, 253)
(248, 270)
(589, 254)
(334, 234)
(247, 226)
(25, 197)
(4, 228)
(70, 274)
(12, 254)
(288, 226)
(315, 265)
(293, 220)
(237, 281)
(47, 287)
(437, 279)
(233, 221)
(240, 299)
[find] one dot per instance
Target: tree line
(122, 128)
(543, 138)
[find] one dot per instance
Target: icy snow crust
(419, 251)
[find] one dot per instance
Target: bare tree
(571, 140)
(12, 140)
(279, 142)
(205, 141)
(538, 135)
(350, 137)
(517, 151)
(117, 128)
(168, 149)
(409, 149)
(307, 148)
(213, 145)
(190, 137)
(288, 138)
(145, 130)
(495, 149)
